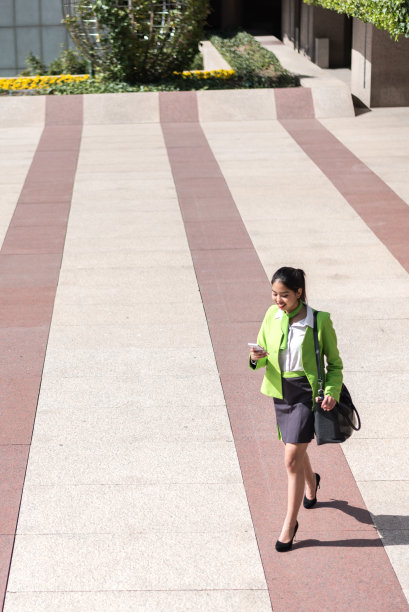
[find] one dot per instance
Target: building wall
(290, 22)
(380, 67)
(263, 16)
(303, 23)
(336, 27)
(231, 13)
(390, 70)
(30, 25)
(361, 62)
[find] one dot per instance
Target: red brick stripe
(30, 261)
(294, 103)
(339, 563)
(385, 213)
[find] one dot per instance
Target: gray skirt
(294, 414)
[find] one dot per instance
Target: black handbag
(336, 425)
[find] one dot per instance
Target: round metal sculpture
(136, 40)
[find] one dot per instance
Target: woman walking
(291, 378)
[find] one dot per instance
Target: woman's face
(285, 298)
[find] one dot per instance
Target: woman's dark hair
(292, 278)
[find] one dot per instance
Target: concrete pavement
(154, 480)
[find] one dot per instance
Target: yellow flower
(39, 82)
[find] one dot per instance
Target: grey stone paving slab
(134, 421)
(132, 462)
(396, 545)
(124, 189)
(355, 262)
(153, 175)
(151, 387)
(126, 108)
(140, 277)
(129, 510)
(17, 136)
(19, 111)
(119, 139)
(236, 105)
(9, 192)
(372, 336)
(386, 459)
(331, 98)
(131, 226)
(129, 284)
(160, 335)
(359, 309)
(234, 168)
(133, 164)
(122, 146)
(124, 313)
(127, 362)
(394, 385)
(174, 561)
(15, 158)
(389, 502)
(244, 193)
(352, 232)
(383, 419)
(148, 601)
(128, 258)
(13, 176)
(286, 204)
(140, 242)
(373, 288)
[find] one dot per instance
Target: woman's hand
(255, 355)
(328, 403)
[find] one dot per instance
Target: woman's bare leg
(310, 480)
(294, 462)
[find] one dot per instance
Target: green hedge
(391, 15)
(255, 66)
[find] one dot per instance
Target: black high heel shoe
(284, 546)
(309, 503)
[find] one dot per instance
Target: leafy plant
(137, 40)
(34, 66)
(391, 15)
(255, 66)
(68, 62)
(197, 62)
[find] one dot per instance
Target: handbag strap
(318, 357)
(348, 420)
(320, 378)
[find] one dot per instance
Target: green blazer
(269, 337)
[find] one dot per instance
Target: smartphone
(255, 346)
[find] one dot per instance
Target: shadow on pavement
(393, 529)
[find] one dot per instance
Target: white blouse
(290, 358)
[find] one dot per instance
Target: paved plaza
(139, 464)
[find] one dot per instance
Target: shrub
(34, 66)
(137, 40)
(255, 66)
(68, 62)
(391, 15)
